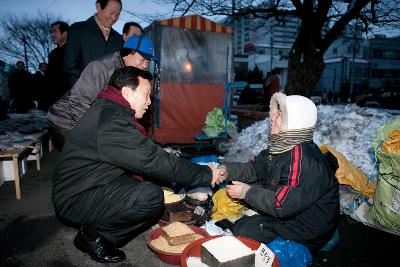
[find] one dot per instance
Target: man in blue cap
(65, 113)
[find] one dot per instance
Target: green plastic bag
(215, 123)
(386, 208)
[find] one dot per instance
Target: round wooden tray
(193, 250)
(168, 257)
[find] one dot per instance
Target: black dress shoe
(100, 250)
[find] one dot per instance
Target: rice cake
(170, 196)
(178, 233)
(226, 251)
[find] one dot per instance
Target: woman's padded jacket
(297, 187)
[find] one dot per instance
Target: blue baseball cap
(142, 45)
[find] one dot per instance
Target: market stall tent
(195, 65)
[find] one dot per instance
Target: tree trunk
(305, 68)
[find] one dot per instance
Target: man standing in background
(131, 28)
(3, 91)
(41, 87)
(58, 80)
(20, 84)
(89, 40)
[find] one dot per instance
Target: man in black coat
(99, 180)
(20, 84)
(57, 78)
(89, 40)
(41, 87)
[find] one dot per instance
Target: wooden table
(253, 114)
(29, 147)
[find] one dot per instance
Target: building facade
(384, 55)
(347, 65)
(266, 43)
(353, 64)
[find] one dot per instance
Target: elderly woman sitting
(290, 184)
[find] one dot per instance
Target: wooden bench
(27, 148)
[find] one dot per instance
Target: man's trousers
(118, 211)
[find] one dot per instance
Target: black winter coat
(297, 188)
(106, 144)
(86, 43)
(57, 77)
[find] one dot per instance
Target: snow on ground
(347, 128)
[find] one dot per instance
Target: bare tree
(26, 38)
(322, 21)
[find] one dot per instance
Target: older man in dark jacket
(91, 39)
(64, 114)
(290, 184)
(98, 180)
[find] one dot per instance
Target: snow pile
(249, 142)
(347, 128)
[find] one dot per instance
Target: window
(334, 50)
(378, 53)
(349, 48)
(365, 52)
(391, 54)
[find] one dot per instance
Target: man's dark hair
(129, 24)
(42, 63)
(63, 26)
(19, 62)
(128, 76)
(104, 3)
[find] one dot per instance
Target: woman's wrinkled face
(275, 123)
(139, 99)
(110, 14)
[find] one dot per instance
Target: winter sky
(78, 10)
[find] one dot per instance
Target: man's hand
(219, 173)
(237, 189)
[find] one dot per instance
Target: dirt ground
(31, 235)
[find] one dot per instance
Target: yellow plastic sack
(225, 207)
(393, 144)
(348, 174)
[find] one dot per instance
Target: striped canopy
(195, 22)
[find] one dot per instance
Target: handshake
(236, 189)
(219, 173)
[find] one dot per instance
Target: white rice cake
(226, 251)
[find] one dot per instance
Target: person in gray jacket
(101, 182)
(64, 114)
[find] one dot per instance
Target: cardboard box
(7, 169)
(32, 155)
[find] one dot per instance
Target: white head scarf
(297, 112)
